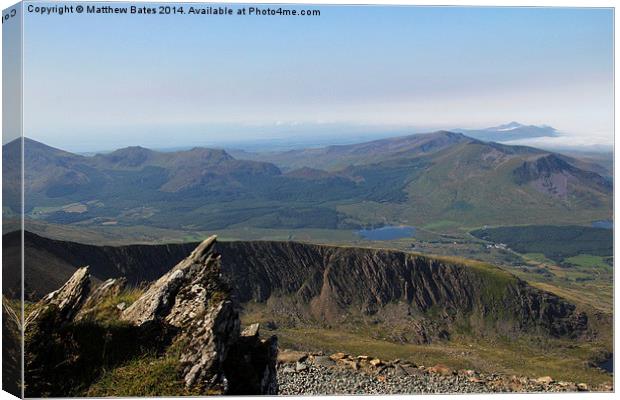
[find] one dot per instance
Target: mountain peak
(132, 156)
(509, 132)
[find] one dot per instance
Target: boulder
(250, 366)
(251, 331)
(441, 370)
(338, 356)
(300, 366)
(544, 380)
(375, 362)
(323, 361)
(353, 364)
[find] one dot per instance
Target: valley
(442, 181)
(436, 248)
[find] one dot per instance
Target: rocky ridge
(419, 298)
(340, 373)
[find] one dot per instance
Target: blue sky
(101, 82)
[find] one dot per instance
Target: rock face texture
(251, 364)
(189, 307)
(65, 302)
(193, 298)
(419, 297)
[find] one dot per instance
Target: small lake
(387, 233)
(606, 224)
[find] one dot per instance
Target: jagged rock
(160, 300)
(65, 302)
(109, 288)
(349, 363)
(400, 371)
(193, 298)
(467, 372)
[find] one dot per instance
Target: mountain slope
(421, 299)
(418, 179)
(340, 156)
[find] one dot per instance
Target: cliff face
(416, 298)
(420, 298)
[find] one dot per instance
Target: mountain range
(509, 132)
(416, 179)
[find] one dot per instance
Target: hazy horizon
(96, 82)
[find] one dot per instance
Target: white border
(484, 3)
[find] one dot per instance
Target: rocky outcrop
(189, 308)
(194, 298)
(63, 303)
(49, 339)
(251, 364)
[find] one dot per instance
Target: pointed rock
(160, 302)
(193, 298)
(66, 301)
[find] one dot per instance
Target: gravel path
(319, 380)
(322, 375)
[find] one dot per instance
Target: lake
(387, 233)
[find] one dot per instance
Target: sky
(96, 82)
